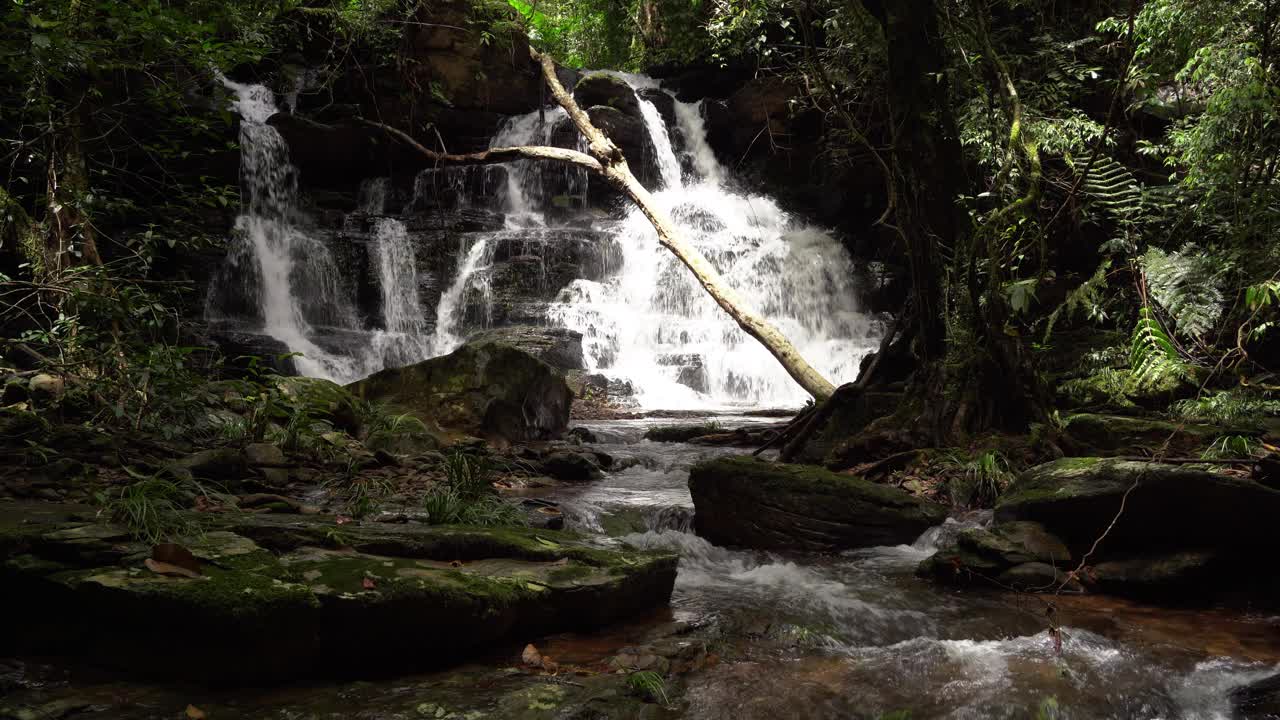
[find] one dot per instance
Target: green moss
(569, 573)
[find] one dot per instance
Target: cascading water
(292, 280)
(654, 325)
(644, 319)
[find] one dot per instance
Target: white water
(857, 635)
(470, 276)
(649, 323)
(295, 281)
(404, 339)
(653, 313)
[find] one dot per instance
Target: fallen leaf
(195, 713)
(175, 554)
(547, 543)
(531, 656)
(368, 584)
(162, 568)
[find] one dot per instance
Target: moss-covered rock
(605, 89)
(302, 595)
(754, 503)
(1131, 435)
(323, 400)
(1170, 507)
(1013, 554)
(484, 388)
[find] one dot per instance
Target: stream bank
(758, 634)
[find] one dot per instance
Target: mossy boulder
(561, 348)
(1170, 507)
(608, 90)
(1122, 434)
(489, 389)
(754, 503)
(295, 596)
(323, 400)
(1023, 555)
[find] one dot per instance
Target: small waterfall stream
(643, 318)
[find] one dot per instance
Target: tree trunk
(975, 379)
(607, 160)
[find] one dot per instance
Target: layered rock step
(754, 503)
(268, 597)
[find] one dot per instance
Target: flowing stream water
(849, 635)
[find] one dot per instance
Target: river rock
(561, 348)
(272, 601)
(260, 454)
(754, 503)
(574, 464)
(15, 390)
(45, 389)
(323, 400)
(607, 90)
(485, 388)
(1183, 535)
(1022, 555)
(1171, 507)
(1115, 434)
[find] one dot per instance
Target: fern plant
(1153, 359)
(1187, 284)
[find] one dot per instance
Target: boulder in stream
(1184, 534)
(279, 596)
(483, 388)
(755, 503)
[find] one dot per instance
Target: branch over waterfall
(606, 159)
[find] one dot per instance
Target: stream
(853, 635)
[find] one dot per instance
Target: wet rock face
(486, 388)
(270, 601)
(561, 348)
(753, 503)
(607, 90)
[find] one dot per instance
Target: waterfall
(293, 278)
(290, 279)
(654, 325)
(403, 339)
(470, 274)
(524, 237)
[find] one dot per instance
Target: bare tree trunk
(607, 160)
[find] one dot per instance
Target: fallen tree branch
(492, 155)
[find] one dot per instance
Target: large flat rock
(285, 596)
(754, 503)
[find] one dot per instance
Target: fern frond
(1153, 358)
(1187, 284)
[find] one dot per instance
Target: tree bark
(607, 160)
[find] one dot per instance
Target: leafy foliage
(467, 496)
(1187, 284)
